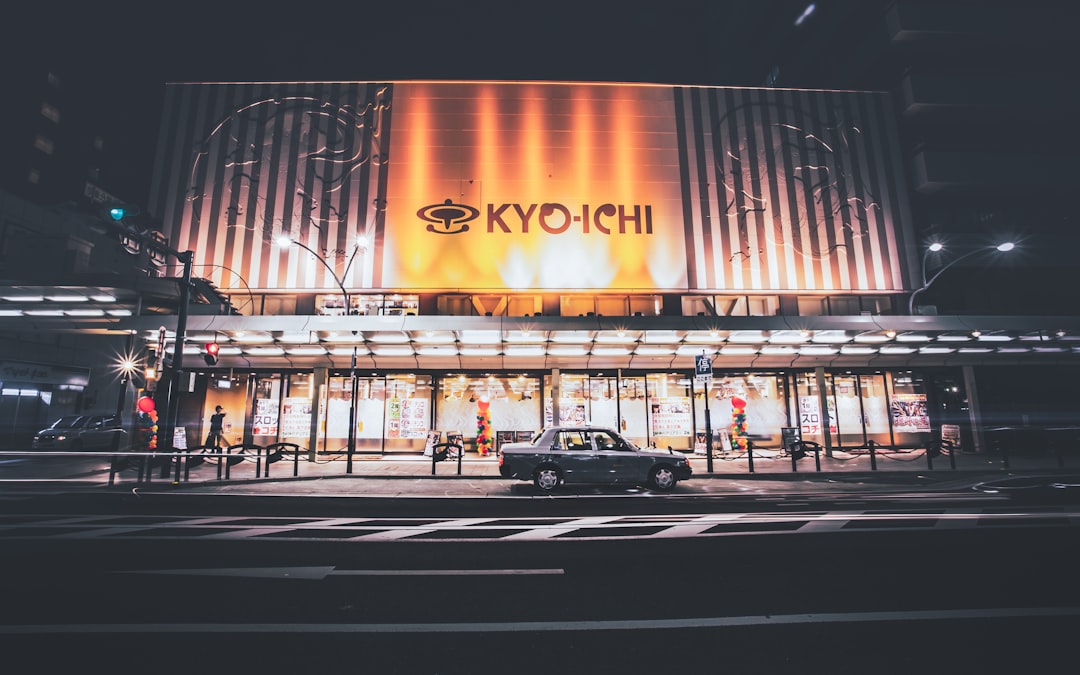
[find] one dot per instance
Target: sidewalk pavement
(478, 476)
(416, 475)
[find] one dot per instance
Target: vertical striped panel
(801, 190)
(240, 165)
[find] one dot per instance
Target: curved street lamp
(361, 244)
(937, 247)
(284, 241)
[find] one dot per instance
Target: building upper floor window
(44, 144)
(50, 112)
(731, 305)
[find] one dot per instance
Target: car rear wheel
(663, 478)
(547, 478)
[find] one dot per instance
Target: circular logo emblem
(448, 217)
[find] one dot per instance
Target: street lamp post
(361, 244)
(937, 247)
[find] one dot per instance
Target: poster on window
(671, 416)
(909, 413)
(810, 421)
(571, 412)
(266, 417)
(414, 418)
(296, 417)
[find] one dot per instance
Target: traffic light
(211, 353)
(118, 212)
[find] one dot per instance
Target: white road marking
(548, 626)
(319, 572)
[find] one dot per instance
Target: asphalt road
(877, 583)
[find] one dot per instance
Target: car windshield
(66, 422)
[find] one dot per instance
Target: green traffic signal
(117, 213)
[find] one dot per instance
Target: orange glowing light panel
(533, 186)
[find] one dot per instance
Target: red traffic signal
(211, 353)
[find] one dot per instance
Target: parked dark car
(587, 454)
(82, 432)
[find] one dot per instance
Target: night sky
(127, 51)
(612, 40)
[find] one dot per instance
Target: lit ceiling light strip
(260, 351)
(481, 337)
(896, 349)
(747, 336)
(306, 350)
(831, 337)
(393, 350)
(777, 350)
(609, 351)
(566, 350)
(857, 349)
(732, 350)
(645, 350)
(348, 351)
(253, 338)
(694, 350)
(437, 350)
(67, 298)
(478, 351)
(524, 350)
(818, 351)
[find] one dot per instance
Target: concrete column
(974, 413)
(556, 391)
(823, 405)
(318, 380)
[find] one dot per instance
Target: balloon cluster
(484, 436)
(738, 424)
(148, 419)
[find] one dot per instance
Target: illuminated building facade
(403, 251)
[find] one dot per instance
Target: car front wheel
(547, 478)
(663, 478)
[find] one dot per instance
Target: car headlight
(61, 437)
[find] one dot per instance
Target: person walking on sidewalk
(213, 439)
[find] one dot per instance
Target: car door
(99, 433)
(616, 461)
(573, 453)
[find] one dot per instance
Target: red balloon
(146, 404)
(738, 402)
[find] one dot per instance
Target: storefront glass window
(634, 410)
(807, 404)
(752, 406)
(266, 421)
(511, 402)
(408, 412)
(908, 409)
(670, 416)
(296, 410)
